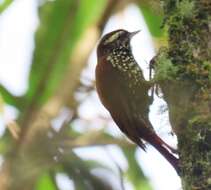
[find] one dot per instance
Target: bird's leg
(151, 67)
(155, 87)
(155, 90)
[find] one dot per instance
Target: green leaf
(45, 182)
(62, 22)
(153, 20)
(4, 4)
(134, 172)
(9, 98)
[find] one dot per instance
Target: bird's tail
(162, 147)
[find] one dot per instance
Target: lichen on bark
(183, 72)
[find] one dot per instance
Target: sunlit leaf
(45, 183)
(153, 20)
(61, 25)
(4, 4)
(9, 98)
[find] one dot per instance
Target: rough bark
(183, 72)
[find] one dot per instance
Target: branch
(182, 70)
(95, 138)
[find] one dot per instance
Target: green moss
(199, 128)
(207, 68)
(187, 60)
(200, 120)
(185, 8)
(164, 69)
(195, 154)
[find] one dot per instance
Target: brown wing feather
(109, 83)
(129, 112)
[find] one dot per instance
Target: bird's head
(113, 40)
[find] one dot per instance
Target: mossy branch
(183, 72)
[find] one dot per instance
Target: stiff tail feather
(160, 145)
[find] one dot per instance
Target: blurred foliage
(1, 104)
(62, 24)
(81, 173)
(153, 17)
(4, 4)
(45, 182)
(134, 173)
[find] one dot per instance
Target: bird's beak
(134, 33)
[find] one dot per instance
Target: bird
(123, 91)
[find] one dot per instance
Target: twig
(14, 129)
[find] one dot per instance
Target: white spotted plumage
(122, 59)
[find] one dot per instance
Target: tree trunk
(183, 72)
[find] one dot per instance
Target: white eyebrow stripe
(113, 37)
